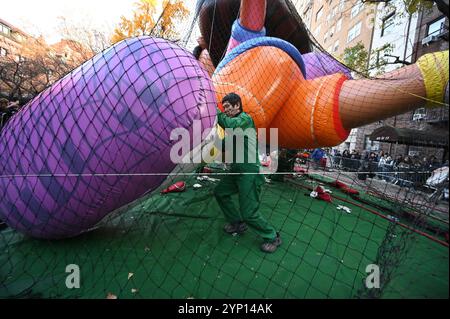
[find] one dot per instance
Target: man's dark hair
(197, 51)
(233, 99)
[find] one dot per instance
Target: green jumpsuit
(248, 186)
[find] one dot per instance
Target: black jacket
(5, 115)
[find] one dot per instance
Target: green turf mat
(173, 246)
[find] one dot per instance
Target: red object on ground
(345, 188)
(319, 190)
(323, 162)
(178, 187)
(443, 243)
(206, 170)
(338, 184)
(322, 195)
(325, 196)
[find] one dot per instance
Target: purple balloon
(321, 64)
(86, 146)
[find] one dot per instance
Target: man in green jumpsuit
(245, 178)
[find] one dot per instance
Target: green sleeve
(241, 121)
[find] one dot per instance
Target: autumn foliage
(149, 20)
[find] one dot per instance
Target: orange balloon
(262, 77)
(310, 117)
(276, 95)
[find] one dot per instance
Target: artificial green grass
(173, 246)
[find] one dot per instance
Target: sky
(40, 17)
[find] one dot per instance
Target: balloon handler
(244, 178)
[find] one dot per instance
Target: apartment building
(11, 40)
(338, 24)
(432, 34)
(71, 52)
(411, 36)
(29, 64)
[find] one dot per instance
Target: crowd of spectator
(403, 170)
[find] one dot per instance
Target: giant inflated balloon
(90, 143)
(217, 17)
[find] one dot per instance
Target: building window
(3, 52)
(4, 29)
(307, 5)
(371, 145)
(19, 38)
(341, 5)
(317, 31)
(354, 32)
(339, 25)
(336, 46)
(319, 14)
(388, 24)
(308, 17)
(357, 8)
(20, 58)
(331, 32)
(307, 11)
(436, 27)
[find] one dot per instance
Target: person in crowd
(7, 110)
(317, 156)
(355, 157)
(372, 164)
(337, 158)
(346, 160)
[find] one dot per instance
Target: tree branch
(442, 5)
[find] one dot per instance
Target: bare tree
(24, 75)
(35, 65)
(87, 39)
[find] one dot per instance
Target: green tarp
(173, 246)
